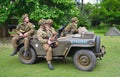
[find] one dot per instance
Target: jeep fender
(35, 44)
(37, 47)
(74, 48)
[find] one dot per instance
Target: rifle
(62, 28)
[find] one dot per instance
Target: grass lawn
(108, 67)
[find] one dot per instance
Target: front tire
(30, 59)
(84, 60)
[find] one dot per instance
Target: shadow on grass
(56, 61)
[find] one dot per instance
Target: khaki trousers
(16, 38)
(48, 50)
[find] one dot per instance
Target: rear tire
(30, 59)
(84, 60)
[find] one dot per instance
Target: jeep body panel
(66, 45)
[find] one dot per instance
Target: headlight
(90, 42)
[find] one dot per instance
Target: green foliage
(58, 10)
(102, 26)
(5, 9)
(85, 15)
(88, 8)
(83, 21)
(107, 11)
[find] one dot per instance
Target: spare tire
(97, 44)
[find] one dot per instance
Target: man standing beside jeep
(25, 30)
(44, 36)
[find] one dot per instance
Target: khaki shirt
(71, 28)
(25, 28)
(43, 35)
(53, 31)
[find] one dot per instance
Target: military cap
(74, 19)
(49, 21)
(24, 16)
(42, 22)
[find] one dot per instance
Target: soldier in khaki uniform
(44, 36)
(49, 24)
(72, 27)
(24, 30)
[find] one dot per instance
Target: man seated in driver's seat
(72, 26)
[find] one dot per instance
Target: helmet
(74, 19)
(49, 21)
(42, 22)
(24, 16)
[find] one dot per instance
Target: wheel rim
(28, 57)
(83, 60)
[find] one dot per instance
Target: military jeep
(83, 48)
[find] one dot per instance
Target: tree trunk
(82, 5)
(4, 30)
